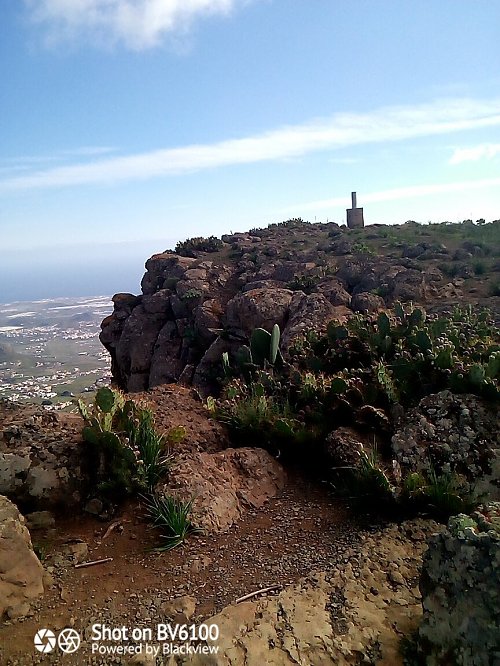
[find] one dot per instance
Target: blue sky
(129, 124)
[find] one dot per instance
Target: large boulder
(460, 586)
(21, 574)
(163, 270)
(158, 337)
(334, 291)
(309, 312)
(207, 320)
(166, 364)
(366, 302)
(204, 374)
(258, 308)
(226, 484)
(136, 345)
(343, 447)
(408, 285)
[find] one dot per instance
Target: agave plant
(172, 515)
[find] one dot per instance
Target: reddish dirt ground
(302, 529)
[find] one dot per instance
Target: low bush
(366, 485)
(494, 289)
(305, 283)
(252, 416)
(451, 270)
(479, 268)
(191, 246)
(371, 485)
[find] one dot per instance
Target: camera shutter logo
(69, 640)
(45, 640)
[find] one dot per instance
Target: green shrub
(305, 283)
(451, 270)
(361, 248)
(40, 548)
(292, 223)
(479, 268)
(191, 294)
(170, 282)
(408, 649)
(352, 375)
(191, 246)
(367, 484)
(257, 413)
(441, 495)
(370, 485)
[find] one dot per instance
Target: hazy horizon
(75, 270)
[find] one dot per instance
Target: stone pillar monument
(355, 215)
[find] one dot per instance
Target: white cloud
(138, 24)
(475, 153)
(339, 131)
(28, 162)
(396, 194)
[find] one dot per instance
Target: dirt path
(302, 529)
(335, 572)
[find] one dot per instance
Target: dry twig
(254, 594)
(112, 527)
(91, 564)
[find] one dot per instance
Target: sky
(127, 125)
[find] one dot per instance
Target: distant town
(50, 351)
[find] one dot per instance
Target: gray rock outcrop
(41, 457)
(449, 432)
(460, 587)
(278, 275)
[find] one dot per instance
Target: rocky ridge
(298, 275)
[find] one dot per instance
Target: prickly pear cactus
(260, 346)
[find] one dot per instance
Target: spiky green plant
(172, 516)
(367, 484)
(156, 458)
(446, 495)
(440, 495)
(125, 452)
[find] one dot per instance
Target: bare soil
(304, 528)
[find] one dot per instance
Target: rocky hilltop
(208, 295)
(335, 508)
